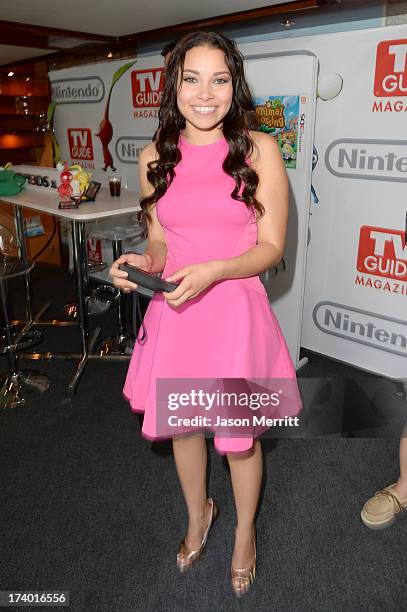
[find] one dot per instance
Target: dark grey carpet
(89, 506)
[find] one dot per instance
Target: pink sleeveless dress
(229, 330)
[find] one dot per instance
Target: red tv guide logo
(382, 252)
(391, 68)
(94, 249)
(80, 143)
(147, 87)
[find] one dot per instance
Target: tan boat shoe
(381, 510)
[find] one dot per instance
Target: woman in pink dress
(215, 201)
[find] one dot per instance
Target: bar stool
(122, 343)
(94, 306)
(16, 385)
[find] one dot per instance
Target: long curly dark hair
(235, 125)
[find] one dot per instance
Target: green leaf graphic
(50, 111)
(121, 71)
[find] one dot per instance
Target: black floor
(91, 507)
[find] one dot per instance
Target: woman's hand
(196, 278)
(119, 277)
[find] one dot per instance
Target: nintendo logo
(369, 328)
(374, 160)
(80, 143)
(78, 91)
(147, 87)
(391, 68)
(128, 148)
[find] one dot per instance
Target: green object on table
(11, 183)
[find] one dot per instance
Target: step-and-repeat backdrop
(355, 306)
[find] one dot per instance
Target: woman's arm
(273, 193)
(155, 255)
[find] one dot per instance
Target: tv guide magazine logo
(390, 80)
(81, 146)
(382, 254)
(147, 87)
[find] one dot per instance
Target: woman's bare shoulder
(148, 153)
(264, 147)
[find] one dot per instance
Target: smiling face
(206, 91)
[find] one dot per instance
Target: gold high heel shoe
(242, 579)
(187, 557)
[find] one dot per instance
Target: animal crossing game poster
(283, 118)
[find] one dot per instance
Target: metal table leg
(79, 250)
(117, 247)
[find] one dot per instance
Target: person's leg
(401, 487)
(190, 454)
(246, 471)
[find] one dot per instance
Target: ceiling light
(11, 73)
(287, 23)
(110, 54)
(27, 79)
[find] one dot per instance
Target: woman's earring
(220, 126)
